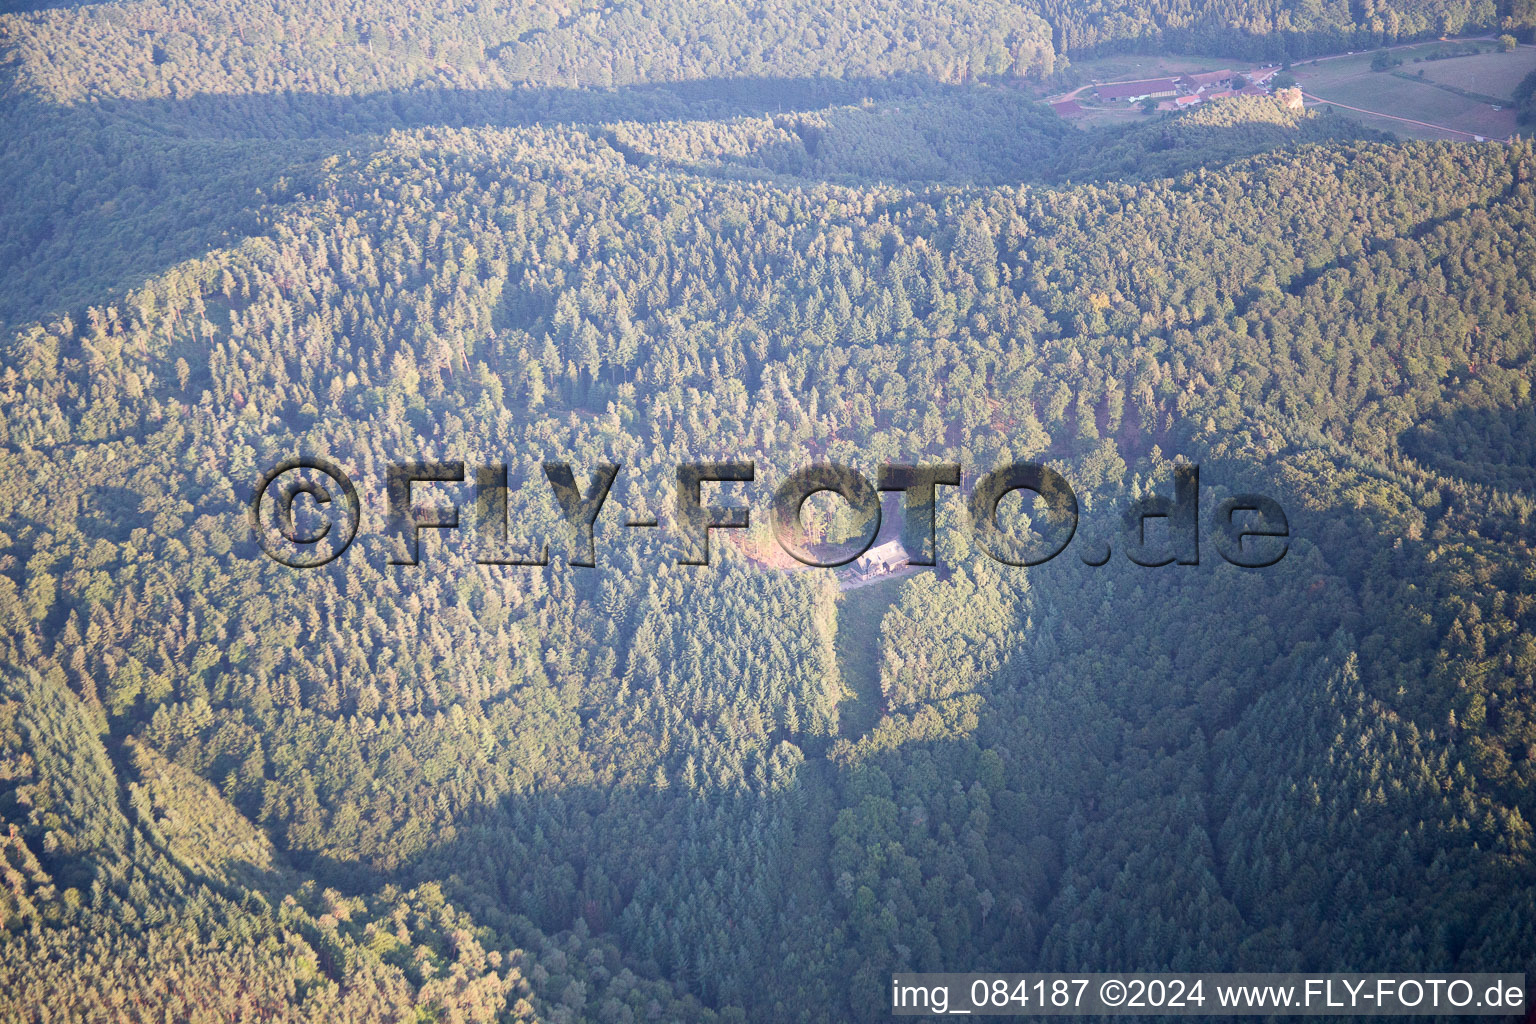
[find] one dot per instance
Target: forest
(653, 234)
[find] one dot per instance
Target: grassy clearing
(1402, 130)
(858, 655)
(1350, 81)
(1391, 95)
(1101, 117)
(1133, 66)
(1130, 67)
(1495, 74)
(1326, 71)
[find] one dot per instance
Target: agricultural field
(1110, 114)
(1493, 74)
(1128, 67)
(1396, 98)
(1438, 97)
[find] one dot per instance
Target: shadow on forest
(1484, 447)
(1141, 781)
(702, 887)
(697, 888)
(111, 192)
(1159, 732)
(176, 176)
(25, 6)
(110, 513)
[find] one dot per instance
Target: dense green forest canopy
(648, 234)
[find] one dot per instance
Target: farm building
(1135, 92)
(1193, 83)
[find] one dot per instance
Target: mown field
(1433, 98)
(1128, 67)
(1494, 73)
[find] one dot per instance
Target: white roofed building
(881, 559)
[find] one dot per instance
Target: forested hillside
(650, 234)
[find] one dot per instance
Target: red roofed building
(1152, 88)
(1067, 108)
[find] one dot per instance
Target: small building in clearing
(880, 560)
